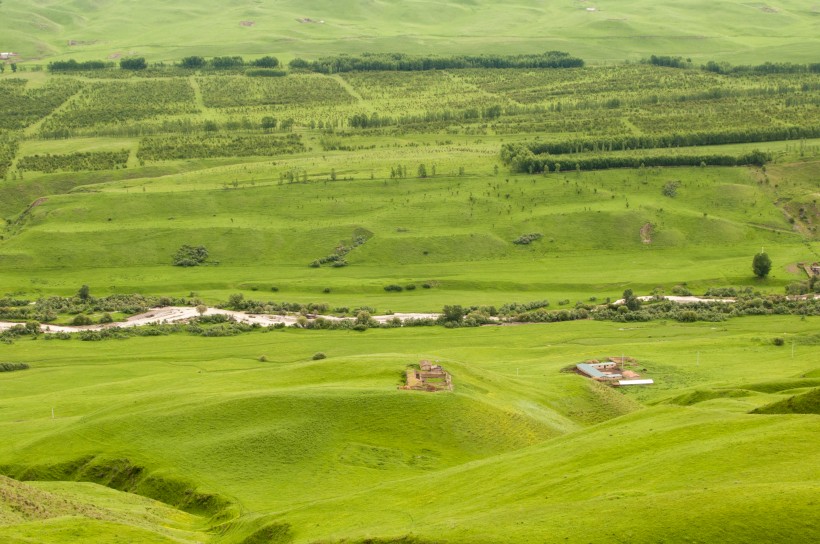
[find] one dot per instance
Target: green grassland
(249, 439)
(266, 203)
(736, 31)
(519, 452)
(457, 232)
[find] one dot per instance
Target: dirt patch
(646, 233)
(306, 20)
(114, 56)
(247, 23)
(74, 43)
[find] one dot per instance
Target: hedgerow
(157, 148)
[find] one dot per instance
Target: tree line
(369, 62)
(139, 63)
(521, 159)
(726, 68)
(653, 141)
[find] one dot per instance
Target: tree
(201, 309)
(192, 62)
(135, 63)
(266, 62)
(269, 123)
(422, 171)
(14, 67)
(761, 265)
(632, 302)
(453, 314)
(190, 256)
(84, 292)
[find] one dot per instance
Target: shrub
(263, 358)
(106, 318)
(410, 287)
(190, 256)
(81, 320)
(670, 189)
(394, 287)
(319, 356)
(526, 239)
(11, 367)
(778, 341)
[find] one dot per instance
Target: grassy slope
(735, 31)
(265, 234)
(68, 511)
(518, 450)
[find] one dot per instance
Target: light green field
(519, 452)
(121, 236)
(781, 30)
(248, 439)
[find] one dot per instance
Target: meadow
(520, 450)
(375, 192)
(604, 32)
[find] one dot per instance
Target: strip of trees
(521, 159)
(368, 62)
(653, 141)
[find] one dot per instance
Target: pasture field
(604, 31)
(387, 191)
(520, 450)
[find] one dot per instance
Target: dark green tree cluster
(521, 159)
(133, 63)
(72, 65)
(765, 68)
(368, 62)
(683, 139)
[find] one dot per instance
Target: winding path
(183, 314)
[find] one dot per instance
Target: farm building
(815, 269)
(7, 56)
(635, 382)
(428, 377)
(612, 371)
(600, 371)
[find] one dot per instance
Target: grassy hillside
(519, 451)
(68, 511)
(328, 188)
(600, 32)
(456, 232)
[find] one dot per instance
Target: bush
(670, 189)
(81, 320)
(190, 256)
(11, 367)
(778, 341)
(319, 356)
(394, 287)
(526, 239)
